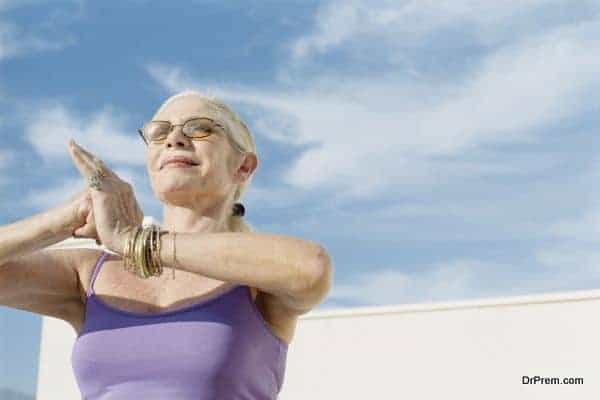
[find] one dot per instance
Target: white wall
(462, 350)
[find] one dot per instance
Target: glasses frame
(172, 126)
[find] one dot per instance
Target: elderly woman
(217, 328)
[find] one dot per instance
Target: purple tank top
(220, 348)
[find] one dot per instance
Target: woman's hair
(241, 138)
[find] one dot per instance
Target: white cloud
(449, 280)
(16, 40)
(102, 133)
(518, 91)
(559, 269)
(456, 117)
(46, 198)
(411, 23)
(584, 229)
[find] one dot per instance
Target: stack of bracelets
(142, 251)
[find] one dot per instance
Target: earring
(239, 210)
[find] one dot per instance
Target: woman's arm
(45, 228)
(32, 233)
(36, 279)
(298, 272)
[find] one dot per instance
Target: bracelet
(137, 253)
(155, 250)
(129, 263)
(142, 252)
(143, 248)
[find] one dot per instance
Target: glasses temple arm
(143, 137)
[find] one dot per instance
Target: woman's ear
(247, 166)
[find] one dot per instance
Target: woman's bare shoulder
(85, 261)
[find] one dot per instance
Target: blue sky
(439, 151)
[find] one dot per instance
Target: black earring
(239, 210)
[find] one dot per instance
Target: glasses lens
(157, 130)
(200, 127)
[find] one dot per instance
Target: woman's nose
(176, 136)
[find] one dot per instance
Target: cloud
(17, 41)
(442, 281)
(584, 229)
(466, 279)
(383, 137)
(402, 26)
(519, 92)
(457, 122)
(60, 192)
(102, 132)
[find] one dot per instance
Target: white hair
(205, 95)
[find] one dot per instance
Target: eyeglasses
(195, 128)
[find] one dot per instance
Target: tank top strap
(97, 267)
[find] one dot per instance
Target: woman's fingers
(88, 163)
(82, 161)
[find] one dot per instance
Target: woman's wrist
(59, 221)
(167, 250)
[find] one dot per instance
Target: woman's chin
(180, 197)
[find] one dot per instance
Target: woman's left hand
(116, 210)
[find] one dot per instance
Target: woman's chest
(122, 290)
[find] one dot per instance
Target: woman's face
(217, 161)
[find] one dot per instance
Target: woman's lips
(178, 164)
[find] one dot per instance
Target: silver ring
(95, 180)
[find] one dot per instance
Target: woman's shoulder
(88, 258)
(85, 256)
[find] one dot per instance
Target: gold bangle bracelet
(145, 258)
(154, 266)
(156, 251)
(139, 247)
(130, 263)
(152, 244)
(134, 252)
(142, 252)
(147, 250)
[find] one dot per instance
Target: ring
(95, 179)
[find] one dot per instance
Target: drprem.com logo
(542, 380)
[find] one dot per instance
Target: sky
(439, 151)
